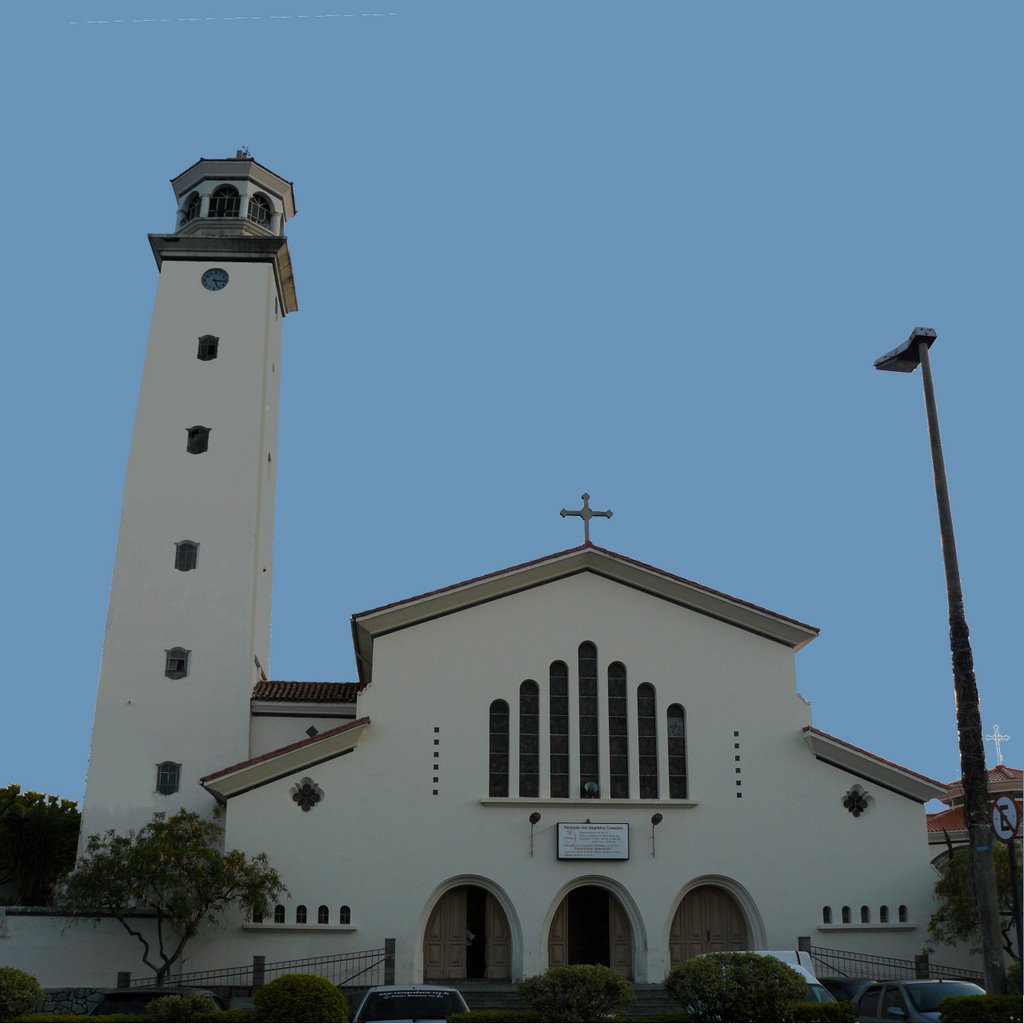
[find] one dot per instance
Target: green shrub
(736, 986)
(300, 997)
(840, 1011)
(192, 1006)
(19, 992)
(1013, 977)
(980, 1008)
(580, 992)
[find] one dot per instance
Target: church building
(579, 759)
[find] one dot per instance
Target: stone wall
(68, 1000)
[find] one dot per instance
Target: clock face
(215, 279)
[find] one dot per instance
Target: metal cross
(997, 738)
(586, 514)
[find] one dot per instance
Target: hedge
(839, 1011)
(963, 1009)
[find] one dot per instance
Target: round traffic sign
(1005, 819)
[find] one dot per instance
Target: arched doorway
(467, 936)
(591, 926)
(708, 920)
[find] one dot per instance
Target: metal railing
(842, 963)
(361, 969)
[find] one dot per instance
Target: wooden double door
(467, 936)
(591, 927)
(708, 920)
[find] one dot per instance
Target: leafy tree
(577, 992)
(38, 836)
(736, 986)
(19, 992)
(956, 920)
(173, 872)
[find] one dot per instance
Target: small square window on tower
(186, 555)
(176, 666)
(208, 346)
(168, 777)
(198, 440)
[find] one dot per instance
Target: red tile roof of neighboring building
(322, 693)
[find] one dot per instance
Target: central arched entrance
(708, 920)
(467, 936)
(591, 926)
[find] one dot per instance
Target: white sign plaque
(588, 841)
(1005, 820)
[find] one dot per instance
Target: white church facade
(579, 759)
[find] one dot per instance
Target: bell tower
(188, 627)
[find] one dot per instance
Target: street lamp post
(905, 359)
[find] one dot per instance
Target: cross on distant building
(586, 514)
(997, 738)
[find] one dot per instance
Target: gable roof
(872, 768)
(276, 764)
(368, 625)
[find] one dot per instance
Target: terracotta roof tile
(317, 693)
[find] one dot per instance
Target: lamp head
(535, 817)
(906, 357)
(656, 818)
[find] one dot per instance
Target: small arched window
(826, 915)
(677, 784)
(344, 915)
(323, 915)
(198, 440)
(558, 727)
(529, 739)
(498, 752)
(279, 914)
(176, 663)
(191, 209)
(846, 915)
(224, 202)
(186, 555)
(168, 777)
(618, 736)
(259, 210)
(300, 914)
(883, 914)
(902, 913)
(865, 915)
(208, 346)
(257, 917)
(647, 740)
(589, 749)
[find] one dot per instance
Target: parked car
(847, 990)
(800, 961)
(910, 1000)
(135, 1000)
(410, 1003)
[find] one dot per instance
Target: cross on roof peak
(586, 514)
(997, 738)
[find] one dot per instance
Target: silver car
(410, 1003)
(909, 1000)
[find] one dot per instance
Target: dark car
(410, 1003)
(910, 1000)
(135, 1000)
(847, 990)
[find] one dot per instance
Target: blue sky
(646, 249)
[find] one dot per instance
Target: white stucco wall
(383, 843)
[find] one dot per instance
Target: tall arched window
(618, 738)
(845, 915)
(279, 914)
(259, 210)
(191, 209)
(498, 768)
(323, 915)
(168, 777)
(883, 914)
(677, 785)
(345, 915)
(589, 778)
(559, 728)
(224, 202)
(529, 739)
(865, 915)
(902, 913)
(826, 915)
(300, 914)
(647, 741)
